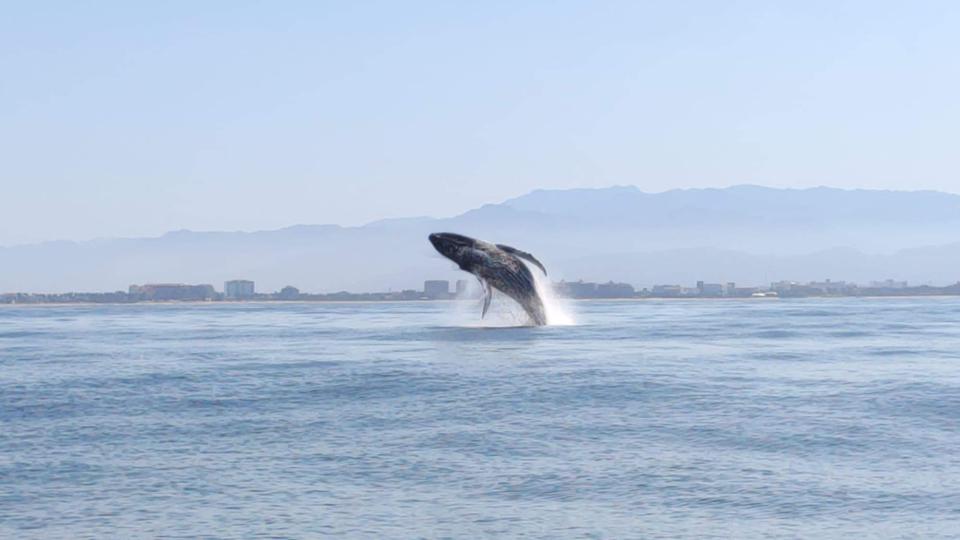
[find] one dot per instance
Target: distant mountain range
(747, 234)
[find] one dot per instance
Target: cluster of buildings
(234, 290)
(794, 289)
(588, 289)
(240, 290)
(152, 292)
(438, 290)
(702, 289)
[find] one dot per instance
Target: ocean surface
(818, 418)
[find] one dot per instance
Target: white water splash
(558, 309)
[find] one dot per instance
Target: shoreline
(156, 303)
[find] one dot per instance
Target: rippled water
(701, 419)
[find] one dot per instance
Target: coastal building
(888, 284)
(743, 292)
(784, 286)
(829, 287)
(238, 289)
(615, 290)
(436, 289)
(461, 288)
(813, 288)
(589, 289)
(709, 289)
(577, 289)
(667, 290)
(171, 291)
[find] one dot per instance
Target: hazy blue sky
(133, 118)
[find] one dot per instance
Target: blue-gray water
(756, 418)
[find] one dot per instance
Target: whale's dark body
(497, 267)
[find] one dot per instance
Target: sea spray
(558, 309)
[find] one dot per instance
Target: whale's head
(455, 247)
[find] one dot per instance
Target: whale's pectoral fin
(487, 295)
(523, 255)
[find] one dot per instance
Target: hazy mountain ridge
(745, 203)
(748, 234)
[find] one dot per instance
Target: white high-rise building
(238, 288)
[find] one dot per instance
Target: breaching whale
(497, 267)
